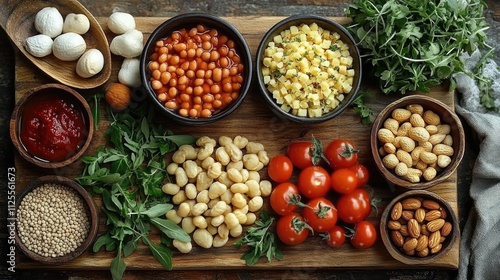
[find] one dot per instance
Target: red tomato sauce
(52, 128)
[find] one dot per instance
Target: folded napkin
(480, 243)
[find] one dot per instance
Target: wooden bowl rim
(93, 216)
(398, 255)
(14, 125)
(392, 178)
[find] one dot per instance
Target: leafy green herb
(484, 84)
(359, 105)
(128, 174)
(261, 241)
(94, 101)
(416, 44)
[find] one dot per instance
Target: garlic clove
(128, 45)
(69, 46)
(119, 22)
(39, 45)
(90, 63)
(49, 21)
(129, 73)
(77, 23)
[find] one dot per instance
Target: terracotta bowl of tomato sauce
(51, 126)
(196, 68)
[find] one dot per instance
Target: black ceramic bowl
(188, 21)
(326, 24)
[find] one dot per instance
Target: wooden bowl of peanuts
(417, 142)
(57, 220)
(418, 226)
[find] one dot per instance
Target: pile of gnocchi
(217, 189)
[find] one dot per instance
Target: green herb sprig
(261, 241)
(414, 44)
(128, 175)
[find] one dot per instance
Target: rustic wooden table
(158, 8)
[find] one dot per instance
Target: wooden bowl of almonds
(417, 142)
(57, 220)
(418, 226)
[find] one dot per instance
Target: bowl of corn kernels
(308, 68)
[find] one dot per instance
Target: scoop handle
(6, 9)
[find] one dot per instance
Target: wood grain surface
(256, 122)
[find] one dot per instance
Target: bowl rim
(15, 117)
(205, 18)
(93, 213)
(281, 25)
(411, 260)
(391, 178)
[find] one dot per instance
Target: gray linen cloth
(480, 243)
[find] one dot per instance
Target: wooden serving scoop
(17, 19)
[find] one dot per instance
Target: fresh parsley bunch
(416, 44)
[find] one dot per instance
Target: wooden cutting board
(255, 121)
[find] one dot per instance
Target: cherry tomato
(364, 236)
(320, 214)
(280, 168)
(355, 206)
(300, 153)
(292, 229)
(335, 237)
(343, 180)
(361, 173)
(282, 198)
(341, 153)
(313, 182)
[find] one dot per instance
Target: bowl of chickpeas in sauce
(308, 68)
(197, 68)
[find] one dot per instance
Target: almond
(413, 228)
(423, 242)
(430, 204)
(423, 253)
(423, 230)
(394, 225)
(420, 215)
(432, 215)
(397, 210)
(411, 203)
(435, 225)
(446, 229)
(404, 230)
(434, 239)
(410, 244)
(407, 215)
(443, 213)
(436, 249)
(397, 238)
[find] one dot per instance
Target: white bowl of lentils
(57, 220)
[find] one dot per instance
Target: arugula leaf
(157, 210)
(118, 267)
(261, 241)
(361, 109)
(171, 229)
(416, 44)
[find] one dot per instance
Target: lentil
(52, 220)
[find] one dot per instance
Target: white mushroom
(129, 72)
(77, 23)
(39, 45)
(90, 63)
(128, 45)
(49, 21)
(69, 46)
(119, 22)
